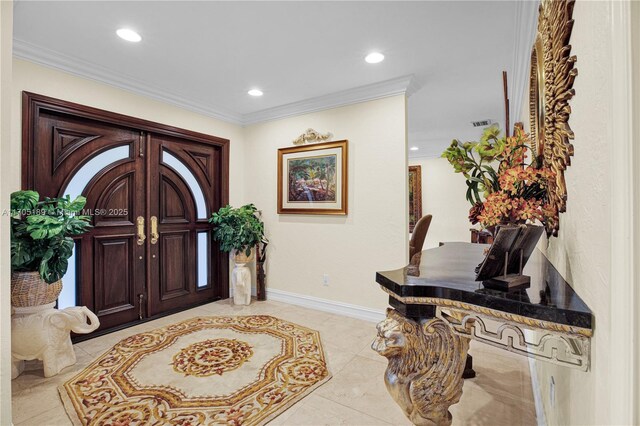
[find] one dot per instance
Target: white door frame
(6, 65)
(625, 294)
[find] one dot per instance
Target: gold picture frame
(415, 196)
(313, 179)
(550, 89)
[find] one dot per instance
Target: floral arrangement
(514, 193)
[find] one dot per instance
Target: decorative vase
(29, 289)
(241, 278)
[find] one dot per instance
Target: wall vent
(482, 123)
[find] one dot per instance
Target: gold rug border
(75, 420)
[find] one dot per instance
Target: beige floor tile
(356, 395)
(477, 407)
(316, 410)
(336, 357)
(34, 401)
(55, 417)
(360, 385)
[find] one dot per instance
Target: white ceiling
(206, 55)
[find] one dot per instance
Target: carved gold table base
(426, 361)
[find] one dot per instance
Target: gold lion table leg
(426, 361)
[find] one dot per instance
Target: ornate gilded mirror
(536, 97)
(551, 88)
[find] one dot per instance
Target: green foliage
(473, 160)
(41, 233)
(237, 229)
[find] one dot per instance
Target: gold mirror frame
(536, 98)
(550, 89)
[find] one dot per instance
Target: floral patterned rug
(241, 370)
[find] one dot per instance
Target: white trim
(541, 418)
(635, 90)
(8, 184)
(526, 19)
(624, 236)
(77, 66)
(369, 92)
(426, 156)
(339, 308)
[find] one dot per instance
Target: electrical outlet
(552, 392)
(325, 279)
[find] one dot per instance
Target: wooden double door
(150, 190)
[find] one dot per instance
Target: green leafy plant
(515, 192)
(238, 229)
(474, 160)
(41, 233)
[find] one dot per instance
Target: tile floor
(356, 395)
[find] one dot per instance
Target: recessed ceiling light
(129, 35)
(374, 57)
(414, 148)
(255, 92)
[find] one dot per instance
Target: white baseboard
(537, 394)
(339, 308)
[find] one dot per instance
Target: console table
(437, 307)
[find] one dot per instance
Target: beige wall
(443, 197)
(582, 250)
(350, 249)
(6, 36)
(47, 81)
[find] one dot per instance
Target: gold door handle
(140, 225)
(154, 230)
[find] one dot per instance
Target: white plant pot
(241, 278)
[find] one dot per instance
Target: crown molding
(526, 19)
(76, 66)
(369, 92)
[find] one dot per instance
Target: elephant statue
(45, 334)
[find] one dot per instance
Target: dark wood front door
(150, 190)
(182, 187)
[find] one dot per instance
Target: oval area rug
(236, 370)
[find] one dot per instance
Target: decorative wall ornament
(312, 136)
(551, 88)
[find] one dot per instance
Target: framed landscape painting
(415, 196)
(312, 179)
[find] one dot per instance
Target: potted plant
(238, 230)
(515, 192)
(41, 245)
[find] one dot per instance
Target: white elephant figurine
(241, 280)
(45, 334)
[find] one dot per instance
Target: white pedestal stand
(43, 332)
(241, 280)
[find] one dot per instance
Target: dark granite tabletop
(448, 272)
